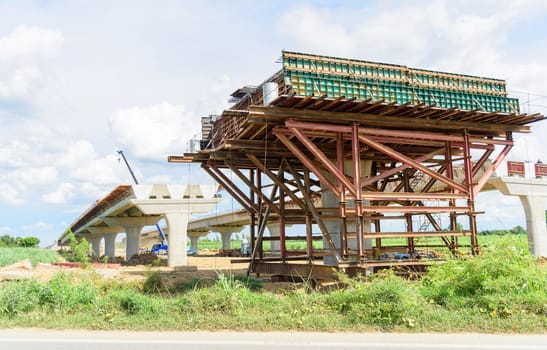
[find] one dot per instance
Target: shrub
(384, 301)
(504, 279)
(28, 242)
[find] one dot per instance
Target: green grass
(484, 240)
(10, 256)
(503, 290)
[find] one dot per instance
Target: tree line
(26, 242)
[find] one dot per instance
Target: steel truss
(411, 174)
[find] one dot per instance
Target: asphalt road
(27, 339)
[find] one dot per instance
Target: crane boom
(160, 232)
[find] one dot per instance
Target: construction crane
(156, 248)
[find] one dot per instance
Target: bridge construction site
(351, 149)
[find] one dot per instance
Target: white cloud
(22, 84)
(30, 43)
(6, 230)
(63, 193)
(23, 57)
(153, 132)
(37, 227)
(10, 195)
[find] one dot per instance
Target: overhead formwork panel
(340, 77)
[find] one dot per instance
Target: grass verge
(10, 256)
(503, 290)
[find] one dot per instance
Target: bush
(385, 301)
(28, 242)
(504, 279)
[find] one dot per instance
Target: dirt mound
(147, 258)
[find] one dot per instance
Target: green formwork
(335, 77)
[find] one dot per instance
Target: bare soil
(198, 267)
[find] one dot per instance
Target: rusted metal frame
(315, 213)
(279, 182)
(404, 159)
(243, 178)
(259, 204)
(478, 165)
(411, 234)
(408, 216)
(230, 187)
(359, 105)
(356, 159)
(282, 247)
(262, 114)
(263, 223)
(490, 170)
(377, 229)
(306, 161)
(331, 103)
(468, 171)
(340, 157)
(410, 134)
(324, 127)
(453, 243)
(394, 171)
(396, 110)
(252, 219)
(406, 141)
(414, 209)
(412, 196)
(325, 161)
(309, 222)
(476, 140)
(447, 114)
(345, 105)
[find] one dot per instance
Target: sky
(82, 79)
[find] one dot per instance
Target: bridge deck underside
(281, 162)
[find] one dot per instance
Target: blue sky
(78, 79)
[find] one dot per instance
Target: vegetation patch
(502, 290)
(12, 255)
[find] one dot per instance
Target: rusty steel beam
(416, 234)
(488, 172)
(315, 213)
(230, 188)
(356, 158)
(249, 184)
(478, 165)
(276, 179)
(325, 161)
(411, 196)
(307, 162)
(342, 201)
(404, 159)
(414, 209)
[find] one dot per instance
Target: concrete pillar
(226, 237)
(109, 233)
(110, 244)
(95, 244)
(329, 200)
(194, 242)
(177, 222)
(132, 227)
(532, 194)
(133, 234)
(274, 229)
(534, 207)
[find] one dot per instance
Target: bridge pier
(532, 194)
(132, 227)
(110, 244)
(177, 222)
(194, 242)
(109, 234)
